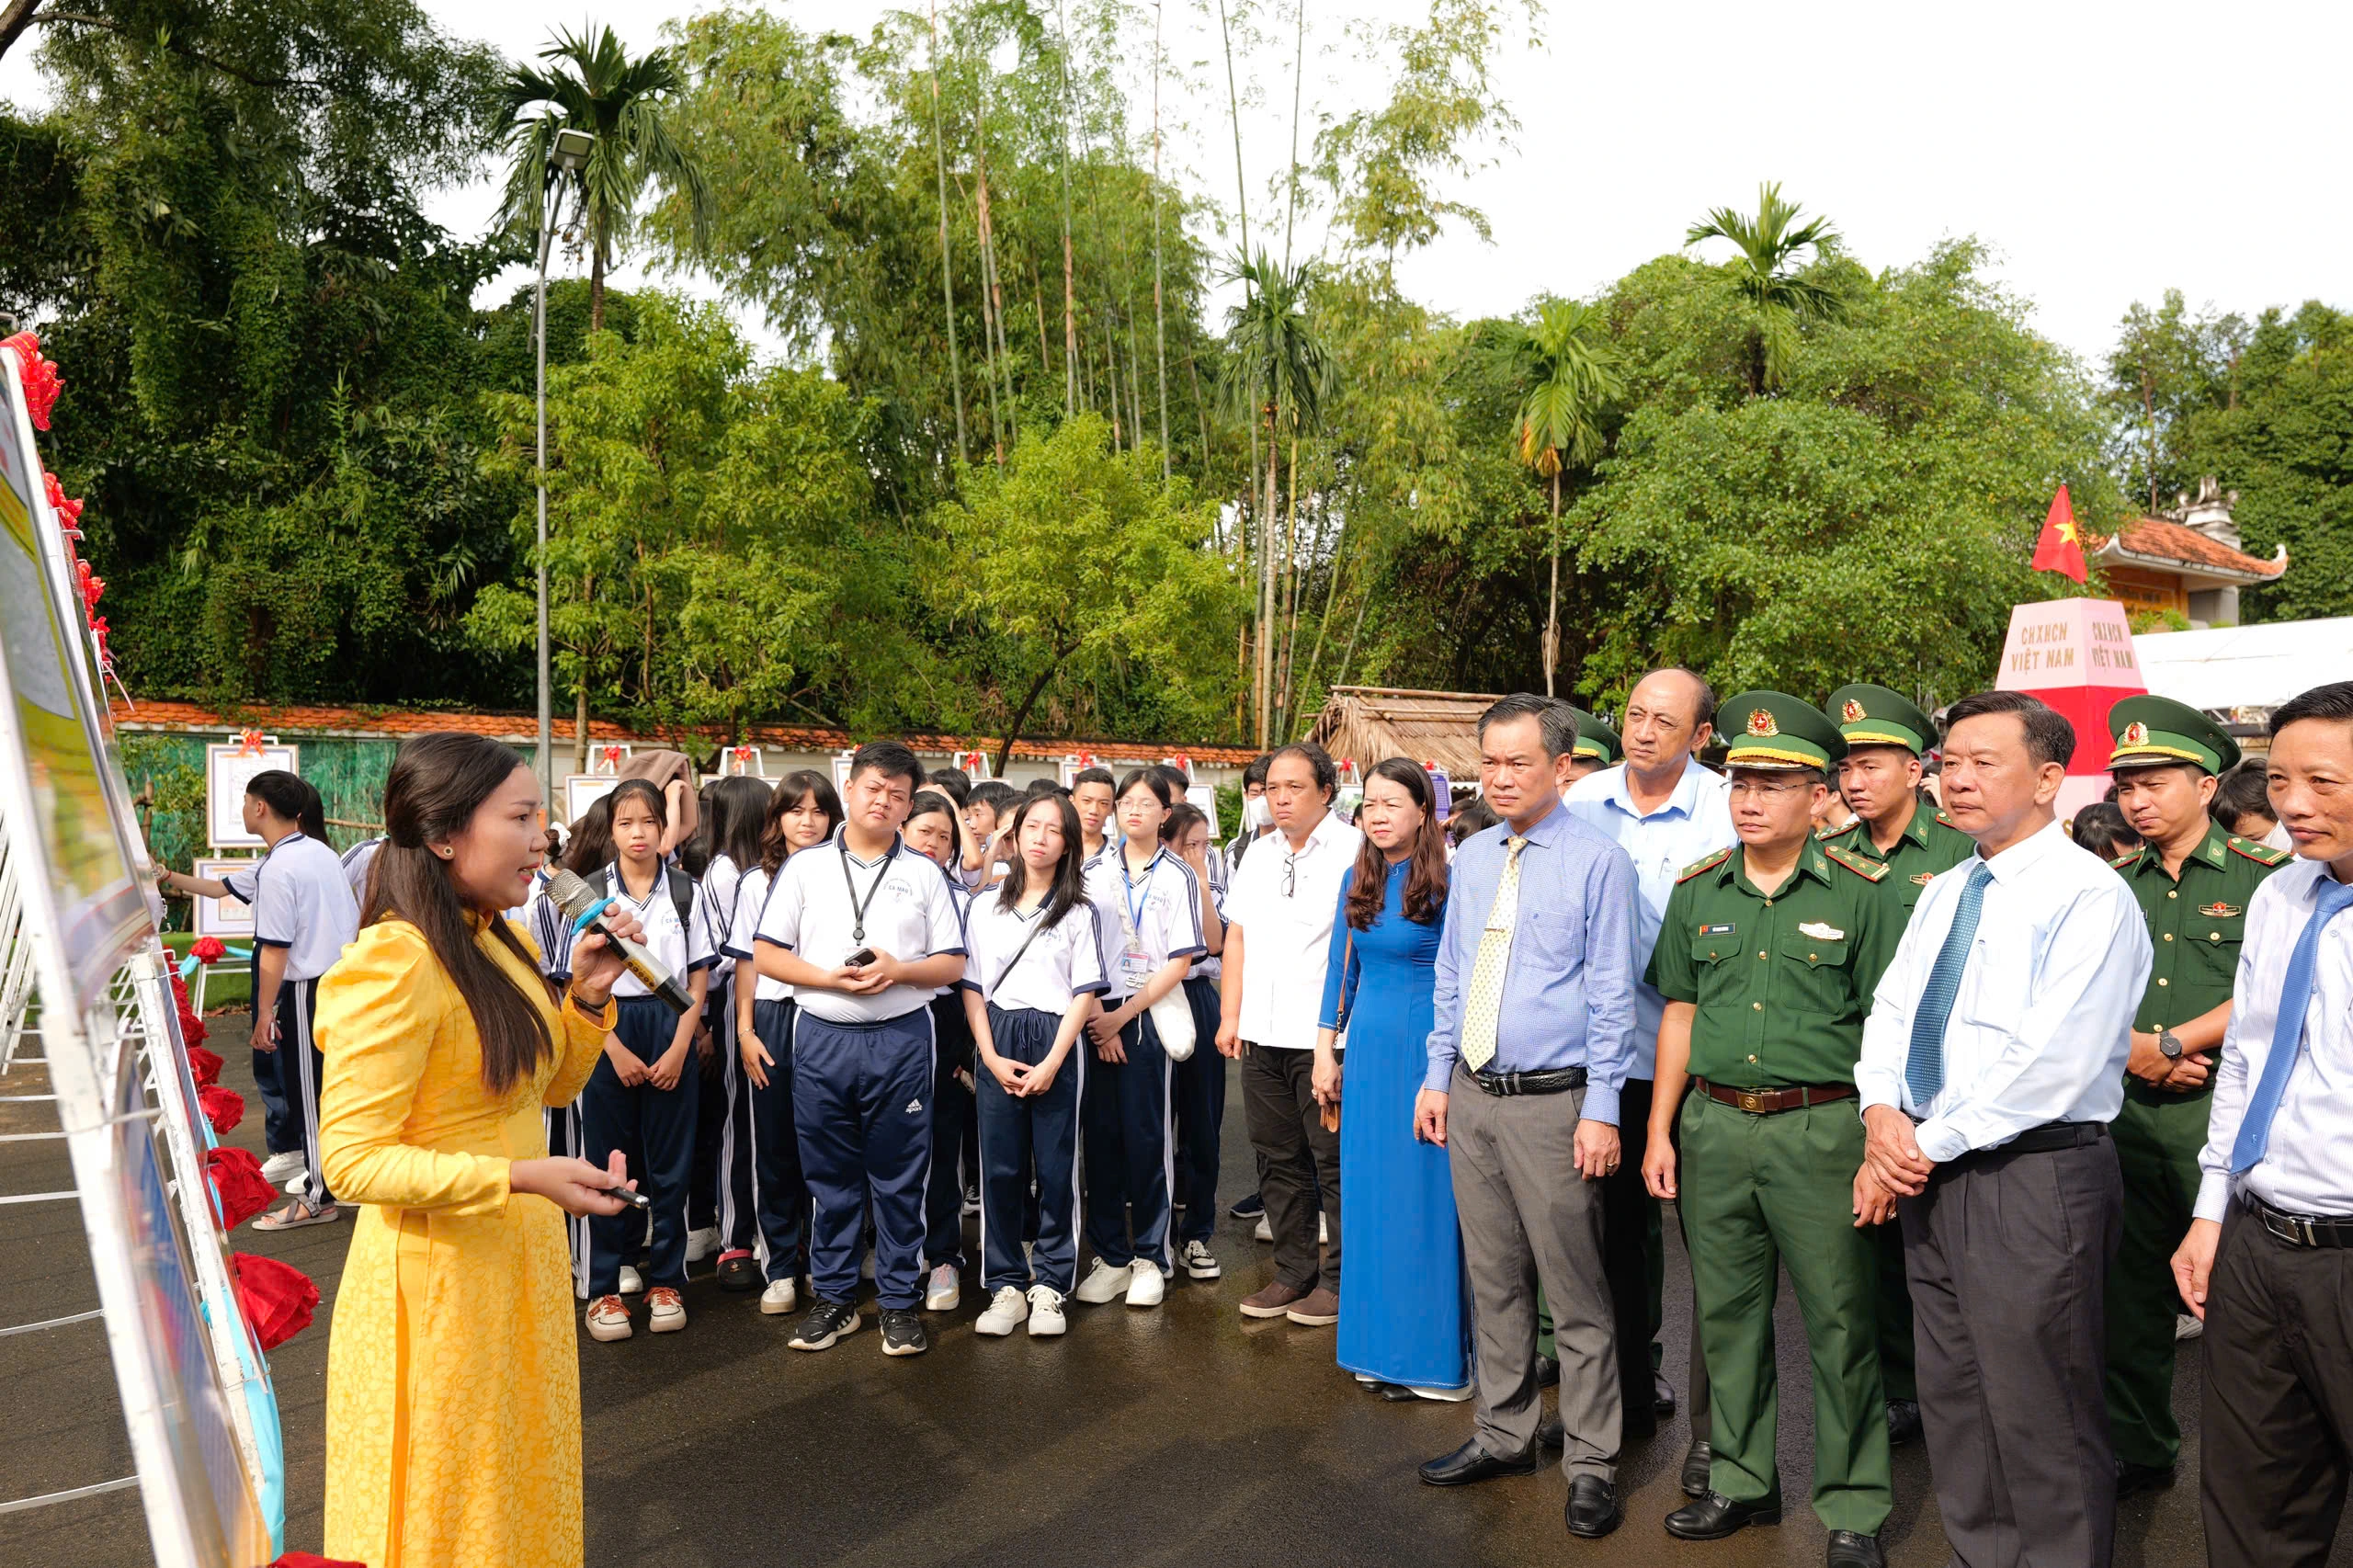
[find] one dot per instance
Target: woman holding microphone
(453, 1383)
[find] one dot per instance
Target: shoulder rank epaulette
(2261, 854)
(2129, 857)
(1710, 864)
(1863, 866)
(1943, 816)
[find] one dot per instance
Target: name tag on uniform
(1820, 932)
(1136, 968)
(1715, 930)
(1922, 878)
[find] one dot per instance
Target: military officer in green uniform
(1767, 958)
(1887, 735)
(2194, 882)
(1597, 746)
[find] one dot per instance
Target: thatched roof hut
(1369, 723)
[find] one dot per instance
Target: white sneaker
(972, 1201)
(2187, 1327)
(1265, 1230)
(1145, 1285)
(1007, 1309)
(1045, 1312)
(1323, 1230)
(1199, 1261)
(1104, 1283)
(632, 1282)
(668, 1314)
(865, 1264)
(944, 1290)
(609, 1319)
(278, 1169)
(701, 1244)
(780, 1297)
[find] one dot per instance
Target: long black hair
(795, 790)
(438, 783)
(1423, 899)
(590, 848)
(732, 813)
(1068, 890)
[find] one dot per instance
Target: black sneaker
(1249, 1208)
(902, 1332)
(827, 1322)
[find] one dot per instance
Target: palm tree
(1764, 273)
(1570, 372)
(1279, 374)
(596, 87)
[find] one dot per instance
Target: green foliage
(1780, 298)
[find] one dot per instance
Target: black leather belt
(2043, 1139)
(2301, 1230)
(1550, 1081)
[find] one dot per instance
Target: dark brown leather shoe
(1273, 1301)
(1319, 1308)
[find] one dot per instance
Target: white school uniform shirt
(1061, 961)
(1207, 966)
(355, 861)
(1154, 916)
(721, 881)
(910, 913)
(2043, 1020)
(240, 881)
(303, 904)
(679, 949)
(551, 931)
(2307, 1165)
(751, 897)
(1287, 937)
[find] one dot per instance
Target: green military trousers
(1759, 1193)
(2158, 1137)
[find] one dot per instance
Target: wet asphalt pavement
(1184, 1435)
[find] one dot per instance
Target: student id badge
(1135, 965)
(1136, 968)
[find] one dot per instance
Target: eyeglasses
(1764, 791)
(1290, 873)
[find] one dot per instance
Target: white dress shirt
(1694, 823)
(2044, 1021)
(2307, 1165)
(1284, 902)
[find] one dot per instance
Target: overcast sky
(2105, 151)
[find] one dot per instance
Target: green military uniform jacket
(1930, 844)
(2194, 927)
(1782, 982)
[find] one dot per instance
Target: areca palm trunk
(1159, 309)
(1267, 590)
(1553, 600)
(947, 280)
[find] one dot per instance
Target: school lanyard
(1136, 905)
(859, 907)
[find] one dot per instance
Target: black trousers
(1299, 1163)
(1631, 1245)
(2007, 1257)
(2278, 1423)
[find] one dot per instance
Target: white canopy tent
(2230, 670)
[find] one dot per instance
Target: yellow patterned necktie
(1486, 1003)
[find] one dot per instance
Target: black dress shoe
(1695, 1468)
(1551, 1433)
(1849, 1550)
(1548, 1371)
(1903, 1422)
(1592, 1511)
(2132, 1478)
(1715, 1516)
(1471, 1463)
(1397, 1393)
(1662, 1395)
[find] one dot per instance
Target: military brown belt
(1771, 1102)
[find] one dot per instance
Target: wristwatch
(2169, 1045)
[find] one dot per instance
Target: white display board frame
(226, 770)
(232, 919)
(581, 791)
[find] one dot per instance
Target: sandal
(296, 1215)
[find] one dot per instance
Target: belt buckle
(1751, 1101)
(2311, 1238)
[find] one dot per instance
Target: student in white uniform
(1197, 1086)
(641, 1097)
(802, 814)
(303, 915)
(732, 810)
(1032, 968)
(552, 935)
(355, 861)
(1156, 915)
(861, 1041)
(931, 831)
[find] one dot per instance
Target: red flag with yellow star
(2060, 547)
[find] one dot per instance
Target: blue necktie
(2288, 1032)
(1924, 1071)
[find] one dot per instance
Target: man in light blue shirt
(1528, 1049)
(1668, 812)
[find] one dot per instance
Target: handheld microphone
(583, 907)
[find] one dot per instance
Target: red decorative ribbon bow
(39, 375)
(250, 742)
(277, 1298)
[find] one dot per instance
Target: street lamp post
(569, 154)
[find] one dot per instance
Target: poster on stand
(581, 791)
(232, 919)
(228, 769)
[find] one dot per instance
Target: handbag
(1172, 1018)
